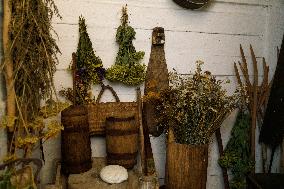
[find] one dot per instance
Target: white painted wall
(212, 34)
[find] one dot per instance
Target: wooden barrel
(121, 141)
(186, 166)
(75, 146)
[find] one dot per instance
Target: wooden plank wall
(212, 34)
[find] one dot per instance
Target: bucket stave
(186, 166)
(122, 141)
(76, 145)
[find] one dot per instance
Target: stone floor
(91, 179)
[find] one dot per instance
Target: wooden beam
(8, 71)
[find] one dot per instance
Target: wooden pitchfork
(257, 95)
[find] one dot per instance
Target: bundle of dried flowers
(194, 106)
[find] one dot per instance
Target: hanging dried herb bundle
(194, 106)
(127, 68)
(88, 68)
(236, 156)
(33, 51)
(34, 57)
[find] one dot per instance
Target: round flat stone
(114, 174)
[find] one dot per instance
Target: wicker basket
(98, 112)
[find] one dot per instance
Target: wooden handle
(104, 87)
(221, 152)
(74, 69)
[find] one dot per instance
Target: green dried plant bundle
(88, 69)
(236, 155)
(88, 65)
(127, 68)
(194, 106)
(129, 75)
(33, 51)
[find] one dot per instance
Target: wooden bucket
(186, 166)
(122, 141)
(76, 146)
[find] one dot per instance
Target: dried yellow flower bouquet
(194, 106)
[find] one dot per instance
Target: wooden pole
(74, 69)
(254, 106)
(221, 152)
(141, 131)
(149, 159)
(8, 74)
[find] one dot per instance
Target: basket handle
(104, 87)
